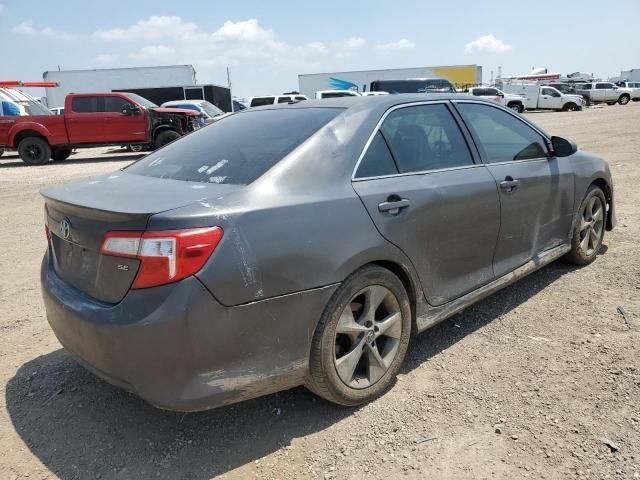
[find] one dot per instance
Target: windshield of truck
(237, 149)
(143, 102)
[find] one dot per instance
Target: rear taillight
(46, 224)
(165, 256)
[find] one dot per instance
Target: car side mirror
(129, 109)
(563, 147)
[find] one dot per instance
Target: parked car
(512, 101)
(414, 85)
(93, 119)
(239, 261)
(633, 88)
(250, 102)
(336, 94)
(208, 110)
(538, 97)
(603, 92)
(57, 110)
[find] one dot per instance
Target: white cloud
(27, 28)
(105, 58)
(153, 51)
(489, 44)
(399, 45)
(152, 29)
(354, 42)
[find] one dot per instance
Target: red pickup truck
(94, 119)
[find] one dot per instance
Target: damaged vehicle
(91, 120)
(304, 244)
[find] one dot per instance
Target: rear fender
(35, 127)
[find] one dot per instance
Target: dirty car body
(290, 223)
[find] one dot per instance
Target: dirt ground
(542, 380)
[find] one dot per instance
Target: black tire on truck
(60, 153)
(570, 107)
(164, 137)
(34, 150)
(624, 99)
(516, 107)
(1, 151)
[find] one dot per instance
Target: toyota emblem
(65, 228)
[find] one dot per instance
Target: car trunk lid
(79, 215)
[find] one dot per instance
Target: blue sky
(266, 44)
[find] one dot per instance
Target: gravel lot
(542, 380)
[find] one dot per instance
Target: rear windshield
(237, 149)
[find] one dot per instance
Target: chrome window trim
(422, 172)
(399, 174)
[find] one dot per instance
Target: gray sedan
(302, 244)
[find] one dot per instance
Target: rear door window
(377, 161)
(84, 104)
(425, 137)
(500, 136)
(237, 149)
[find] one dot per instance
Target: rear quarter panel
(51, 127)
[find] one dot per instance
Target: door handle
(509, 185)
(393, 207)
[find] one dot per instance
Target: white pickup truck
(604, 92)
(634, 89)
(544, 98)
(512, 101)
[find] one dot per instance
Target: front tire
(34, 151)
(588, 231)
(361, 339)
(165, 137)
(570, 107)
(624, 99)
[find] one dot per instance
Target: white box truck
(110, 79)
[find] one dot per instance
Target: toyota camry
(303, 244)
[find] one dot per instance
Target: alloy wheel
(33, 151)
(367, 337)
(591, 225)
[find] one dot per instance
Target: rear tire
(137, 148)
(361, 339)
(624, 99)
(588, 231)
(1, 151)
(165, 137)
(60, 153)
(611, 103)
(34, 151)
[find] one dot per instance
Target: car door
(425, 193)
(85, 120)
(120, 126)
(536, 189)
(550, 98)
(601, 92)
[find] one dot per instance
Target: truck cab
(512, 101)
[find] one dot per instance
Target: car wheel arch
(606, 188)
(22, 134)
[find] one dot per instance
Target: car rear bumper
(178, 348)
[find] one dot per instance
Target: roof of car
(176, 102)
(374, 101)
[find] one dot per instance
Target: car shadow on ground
(80, 427)
(15, 162)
